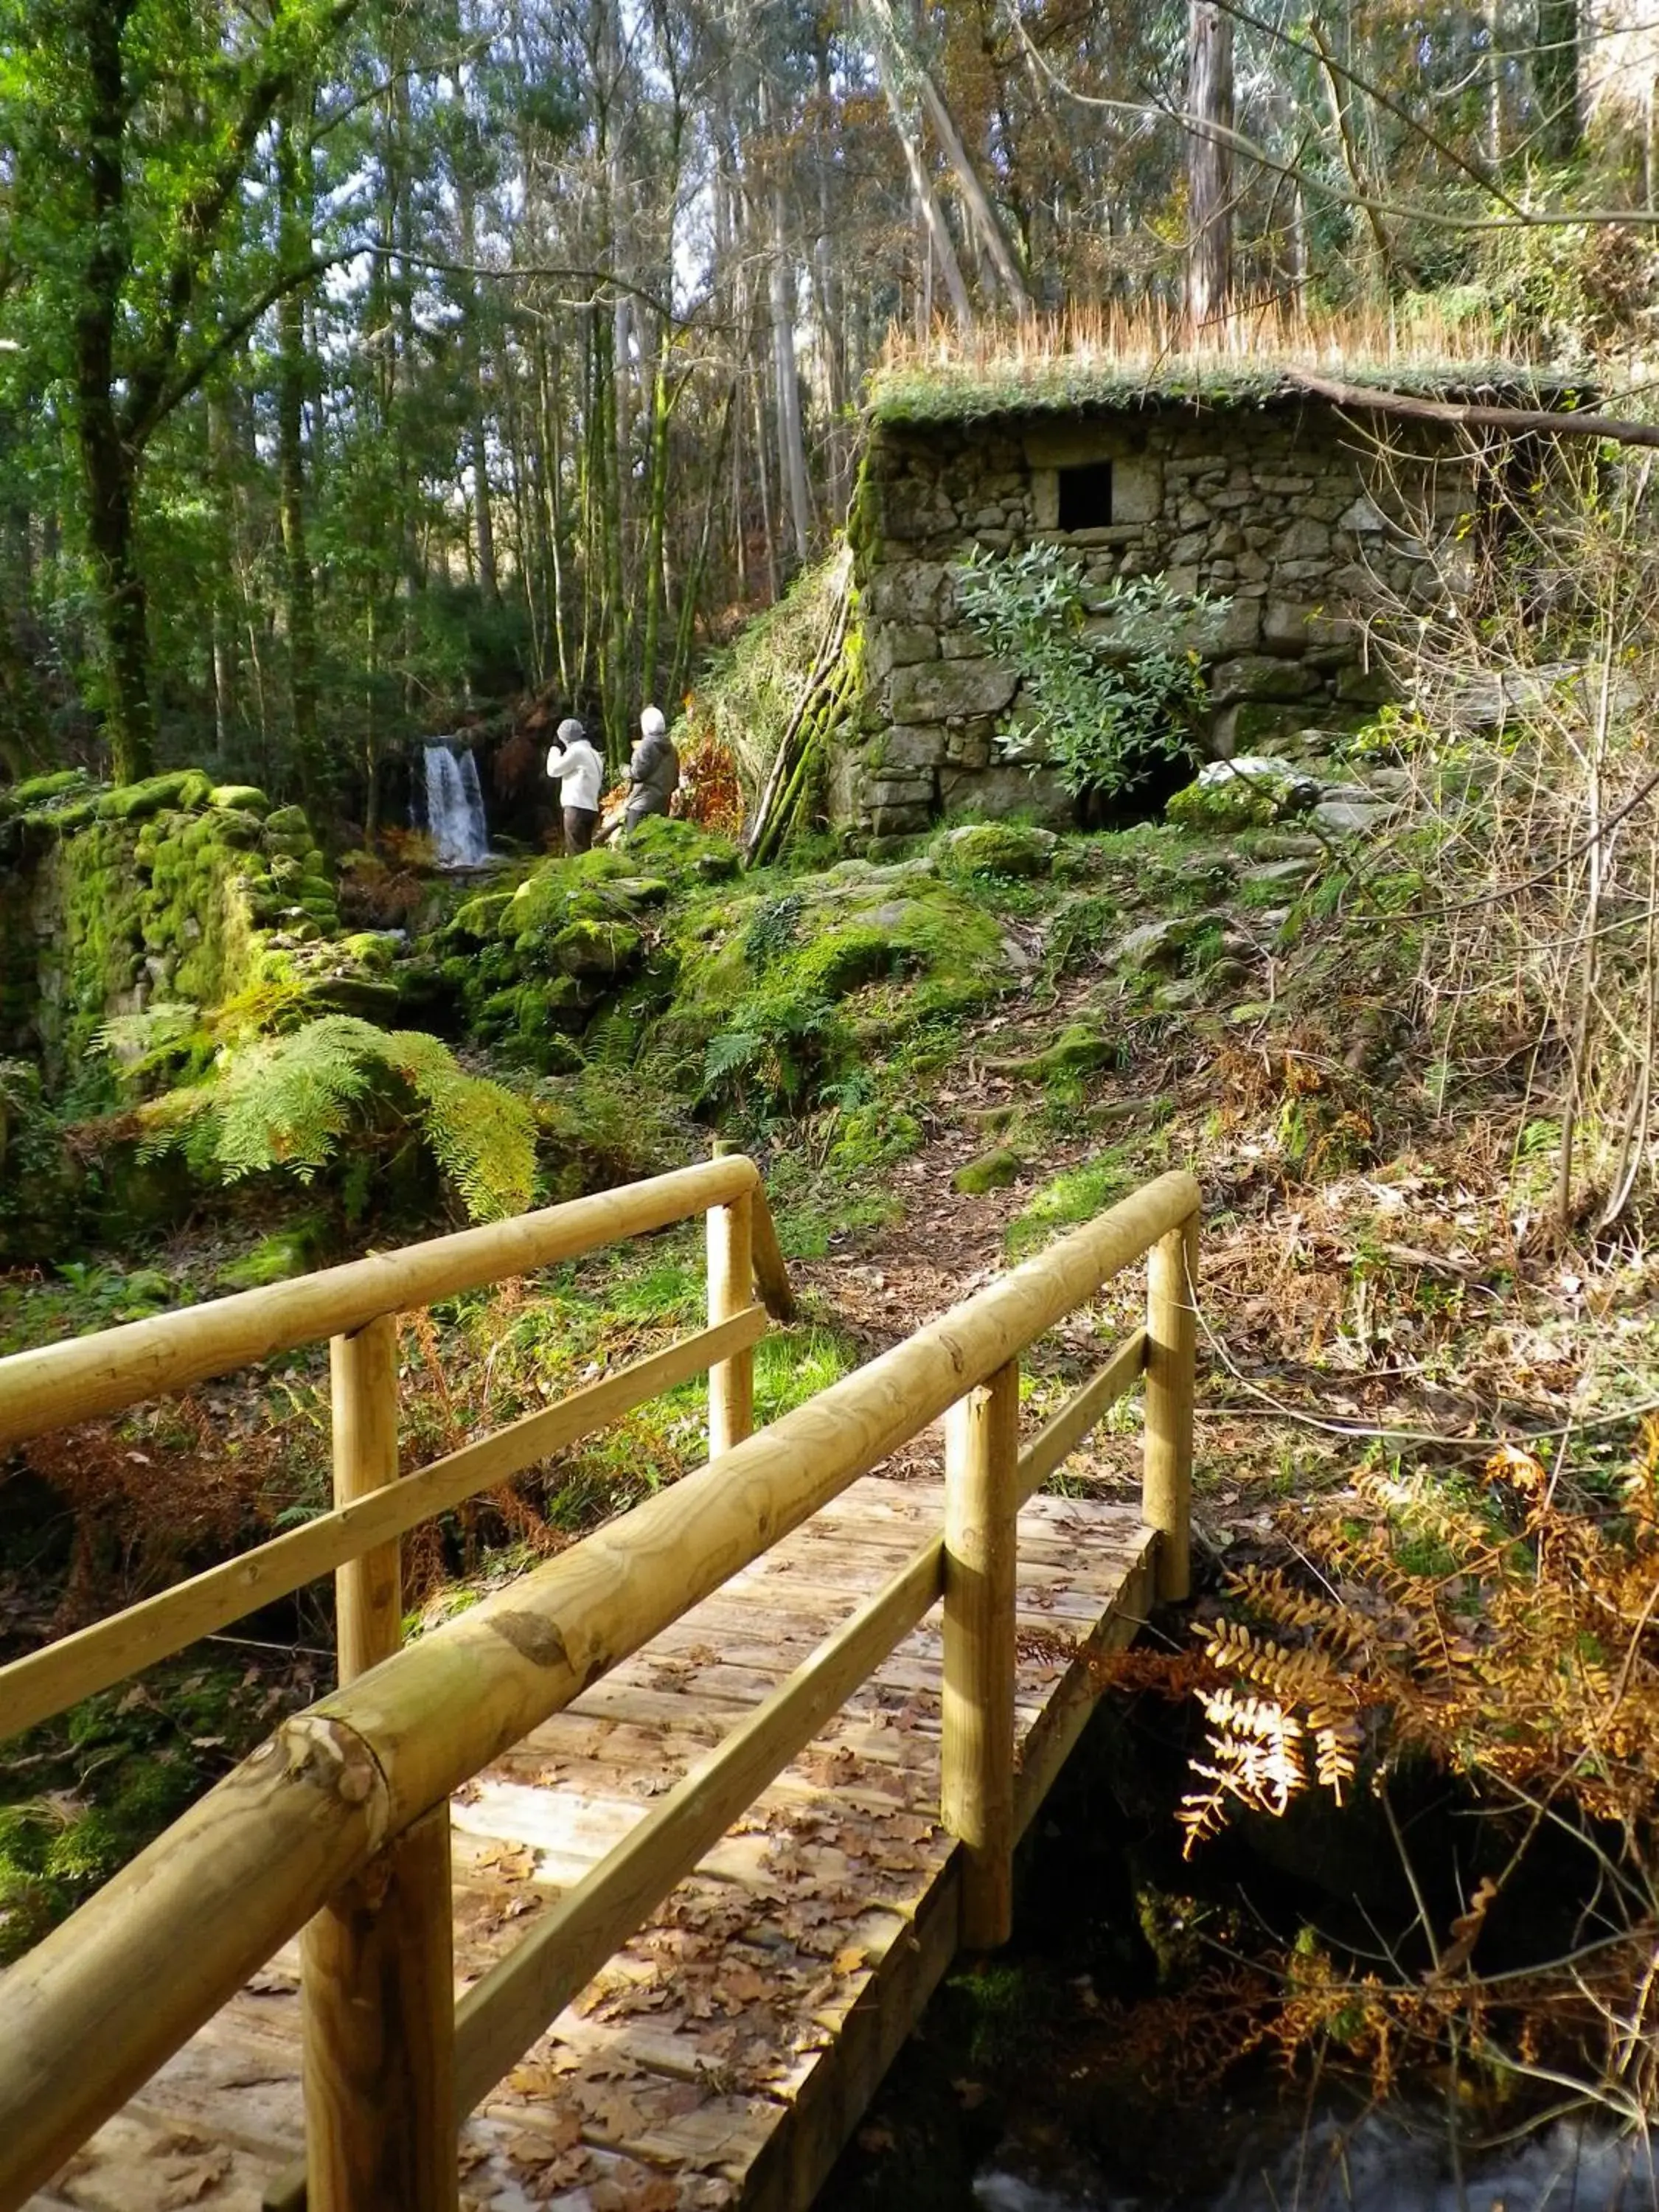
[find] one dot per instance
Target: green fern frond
(288, 1102)
(483, 1136)
(612, 1039)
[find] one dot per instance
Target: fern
(290, 1103)
(612, 1039)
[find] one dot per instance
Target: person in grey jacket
(653, 774)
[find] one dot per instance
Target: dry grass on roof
(1112, 357)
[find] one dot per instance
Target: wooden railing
(339, 1823)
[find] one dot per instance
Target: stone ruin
(1279, 502)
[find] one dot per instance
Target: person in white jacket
(580, 773)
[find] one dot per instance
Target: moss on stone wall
(164, 892)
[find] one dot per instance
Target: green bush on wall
(1102, 702)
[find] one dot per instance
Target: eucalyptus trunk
(1209, 163)
(108, 461)
(662, 404)
(1555, 79)
(294, 184)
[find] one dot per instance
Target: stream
(1393, 2162)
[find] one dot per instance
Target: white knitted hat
(652, 724)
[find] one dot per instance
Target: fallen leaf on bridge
(189, 2180)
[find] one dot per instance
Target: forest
(363, 364)
(1138, 522)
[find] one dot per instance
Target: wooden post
(379, 2034)
(982, 1459)
(378, 1961)
(1171, 1358)
(731, 1288)
(368, 1600)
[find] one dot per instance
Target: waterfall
(454, 809)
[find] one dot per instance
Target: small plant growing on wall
(1102, 704)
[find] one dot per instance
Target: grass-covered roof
(904, 395)
(1109, 365)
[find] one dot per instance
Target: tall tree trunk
(1209, 163)
(993, 239)
(220, 457)
(477, 439)
(293, 186)
(25, 737)
(902, 69)
(691, 591)
(926, 200)
(107, 462)
(656, 517)
(1555, 79)
(792, 442)
(827, 283)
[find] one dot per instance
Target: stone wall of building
(1283, 510)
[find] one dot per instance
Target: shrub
(1102, 704)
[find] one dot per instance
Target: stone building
(1303, 518)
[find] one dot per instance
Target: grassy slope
(1365, 1292)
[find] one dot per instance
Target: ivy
(1100, 702)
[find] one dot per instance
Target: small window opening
(1085, 496)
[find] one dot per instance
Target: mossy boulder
(993, 1171)
(596, 949)
(661, 846)
(1250, 792)
(374, 949)
(480, 918)
(240, 798)
(996, 848)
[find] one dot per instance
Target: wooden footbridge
(619, 1892)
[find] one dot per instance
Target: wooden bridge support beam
(1171, 1364)
(976, 1783)
(378, 1962)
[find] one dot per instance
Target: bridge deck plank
(723, 2055)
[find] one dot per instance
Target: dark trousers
(580, 823)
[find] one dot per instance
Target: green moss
(675, 850)
(150, 900)
(274, 1259)
(1236, 795)
(242, 798)
(992, 1170)
(133, 802)
(38, 790)
(968, 392)
(480, 918)
(1078, 1195)
(599, 949)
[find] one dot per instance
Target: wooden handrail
(500, 2017)
(58, 1384)
(60, 1675)
(108, 1995)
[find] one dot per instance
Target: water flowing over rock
(454, 809)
